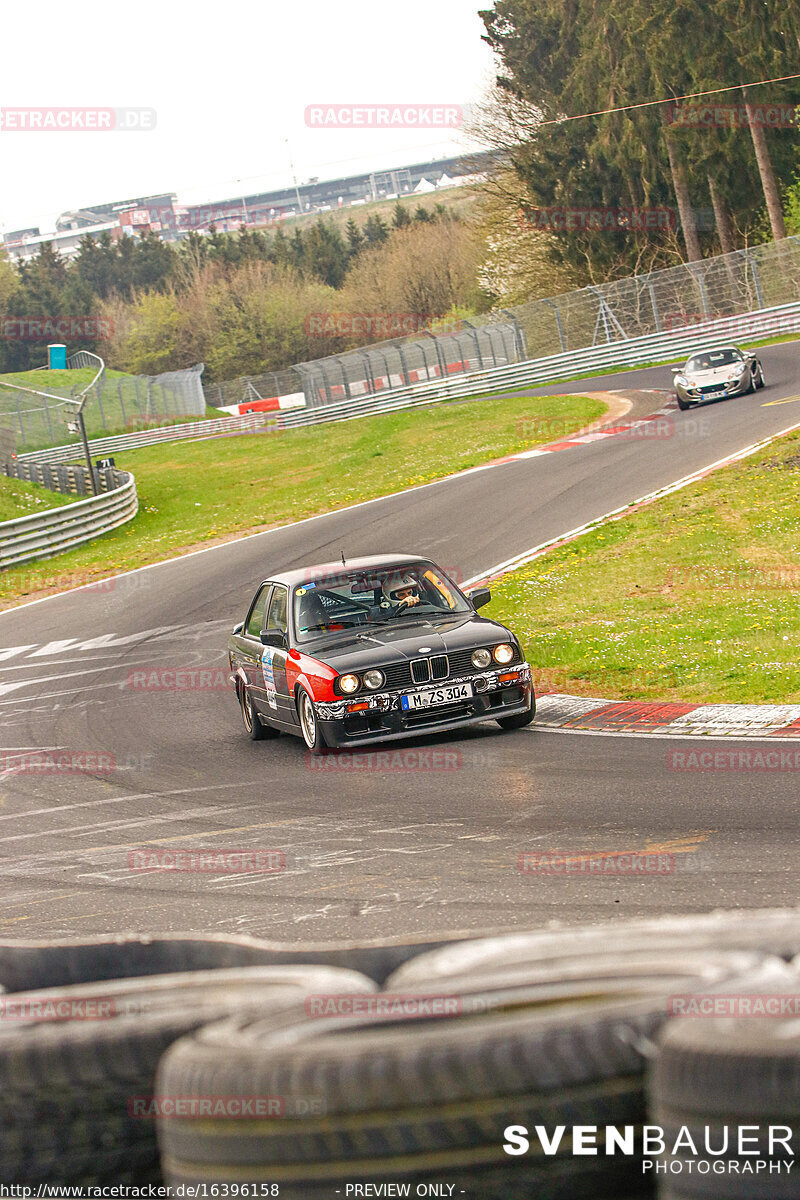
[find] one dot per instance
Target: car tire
(309, 725)
(32, 966)
(409, 1098)
(76, 1090)
(519, 720)
(682, 405)
(760, 380)
(250, 719)
(727, 1072)
(773, 932)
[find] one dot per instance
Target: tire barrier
(28, 965)
(77, 1064)
(410, 1100)
(245, 1061)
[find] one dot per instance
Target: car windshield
(712, 359)
(365, 599)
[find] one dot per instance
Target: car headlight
(481, 659)
(349, 684)
(681, 381)
(373, 679)
(503, 653)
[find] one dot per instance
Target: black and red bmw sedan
(374, 649)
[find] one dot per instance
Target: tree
(400, 217)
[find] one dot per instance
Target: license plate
(715, 395)
(442, 695)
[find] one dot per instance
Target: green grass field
(20, 499)
(190, 493)
(695, 597)
(120, 404)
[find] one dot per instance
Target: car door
(249, 645)
(280, 705)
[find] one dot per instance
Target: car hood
(704, 378)
(382, 645)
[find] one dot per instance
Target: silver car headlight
(373, 679)
(481, 659)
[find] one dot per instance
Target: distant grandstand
(164, 216)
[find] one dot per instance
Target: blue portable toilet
(57, 357)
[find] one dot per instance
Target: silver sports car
(718, 374)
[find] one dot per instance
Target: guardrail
(193, 430)
(70, 479)
(628, 352)
(662, 347)
(41, 535)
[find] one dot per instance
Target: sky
(230, 84)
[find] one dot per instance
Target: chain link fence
(728, 285)
(402, 362)
(116, 404)
(252, 388)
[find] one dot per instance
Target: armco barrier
(662, 347)
(193, 430)
(629, 352)
(42, 535)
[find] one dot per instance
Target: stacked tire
(558, 1037)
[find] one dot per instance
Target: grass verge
(20, 499)
(696, 597)
(190, 493)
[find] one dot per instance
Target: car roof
(303, 574)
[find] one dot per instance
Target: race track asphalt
(427, 841)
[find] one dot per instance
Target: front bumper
(384, 720)
(695, 396)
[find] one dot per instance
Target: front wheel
(519, 720)
(682, 405)
(309, 725)
(760, 380)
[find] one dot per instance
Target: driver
(401, 591)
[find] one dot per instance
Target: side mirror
(273, 637)
(238, 628)
(479, 597)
